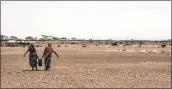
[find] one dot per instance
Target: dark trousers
(47, 62)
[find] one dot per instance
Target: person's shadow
(33, 70)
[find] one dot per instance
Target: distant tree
(73, 38)
(132, 41)
(20, 39)
(64, 38)
(49, 39)
(29, 38)
(41, 39)
(55, 38)
(36, 38)
(13, 38)
(44, 37)
(6, 38)
(90, 40)
(2, 37)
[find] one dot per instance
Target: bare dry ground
(89, 67)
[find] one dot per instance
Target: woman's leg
(33, 61)
(30, 60)
(47, 63)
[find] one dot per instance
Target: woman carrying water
(32, 56)
(47, 55)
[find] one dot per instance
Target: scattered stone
(124, 50)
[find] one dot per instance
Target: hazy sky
(87, 19)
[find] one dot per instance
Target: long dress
(32, 57)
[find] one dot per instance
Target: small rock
(124, 50)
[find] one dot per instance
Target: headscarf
(32, 45)
(49, 45)
(32, 48)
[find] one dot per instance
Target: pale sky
(118, 20)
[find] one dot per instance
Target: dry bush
(163, 45)
(58, 46)
(120, 42)
(124, 50)
(84, 45)
(72, 42)
(114, 44)
(65, 45)
(126, 44)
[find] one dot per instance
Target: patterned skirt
(33, 60)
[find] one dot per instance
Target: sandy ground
(90, 67)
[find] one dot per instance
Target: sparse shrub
(84, 45)
(140, 44)
(124, 50)
(126, 44)
(96, 44)
(65, 45)
(163, 45)
(72, 42)
(90, 41)
(120, 42)
(58, 46)
(114, 44)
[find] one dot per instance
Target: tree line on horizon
(44, 37)
(51, 38)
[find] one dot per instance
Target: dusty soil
(89, 67)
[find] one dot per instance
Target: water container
(40, 62)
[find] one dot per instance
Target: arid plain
(101, 66)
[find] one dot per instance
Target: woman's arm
(26, 53)
(56, 53)
(43, 54)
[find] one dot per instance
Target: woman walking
(47, 55)
(32, 56)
